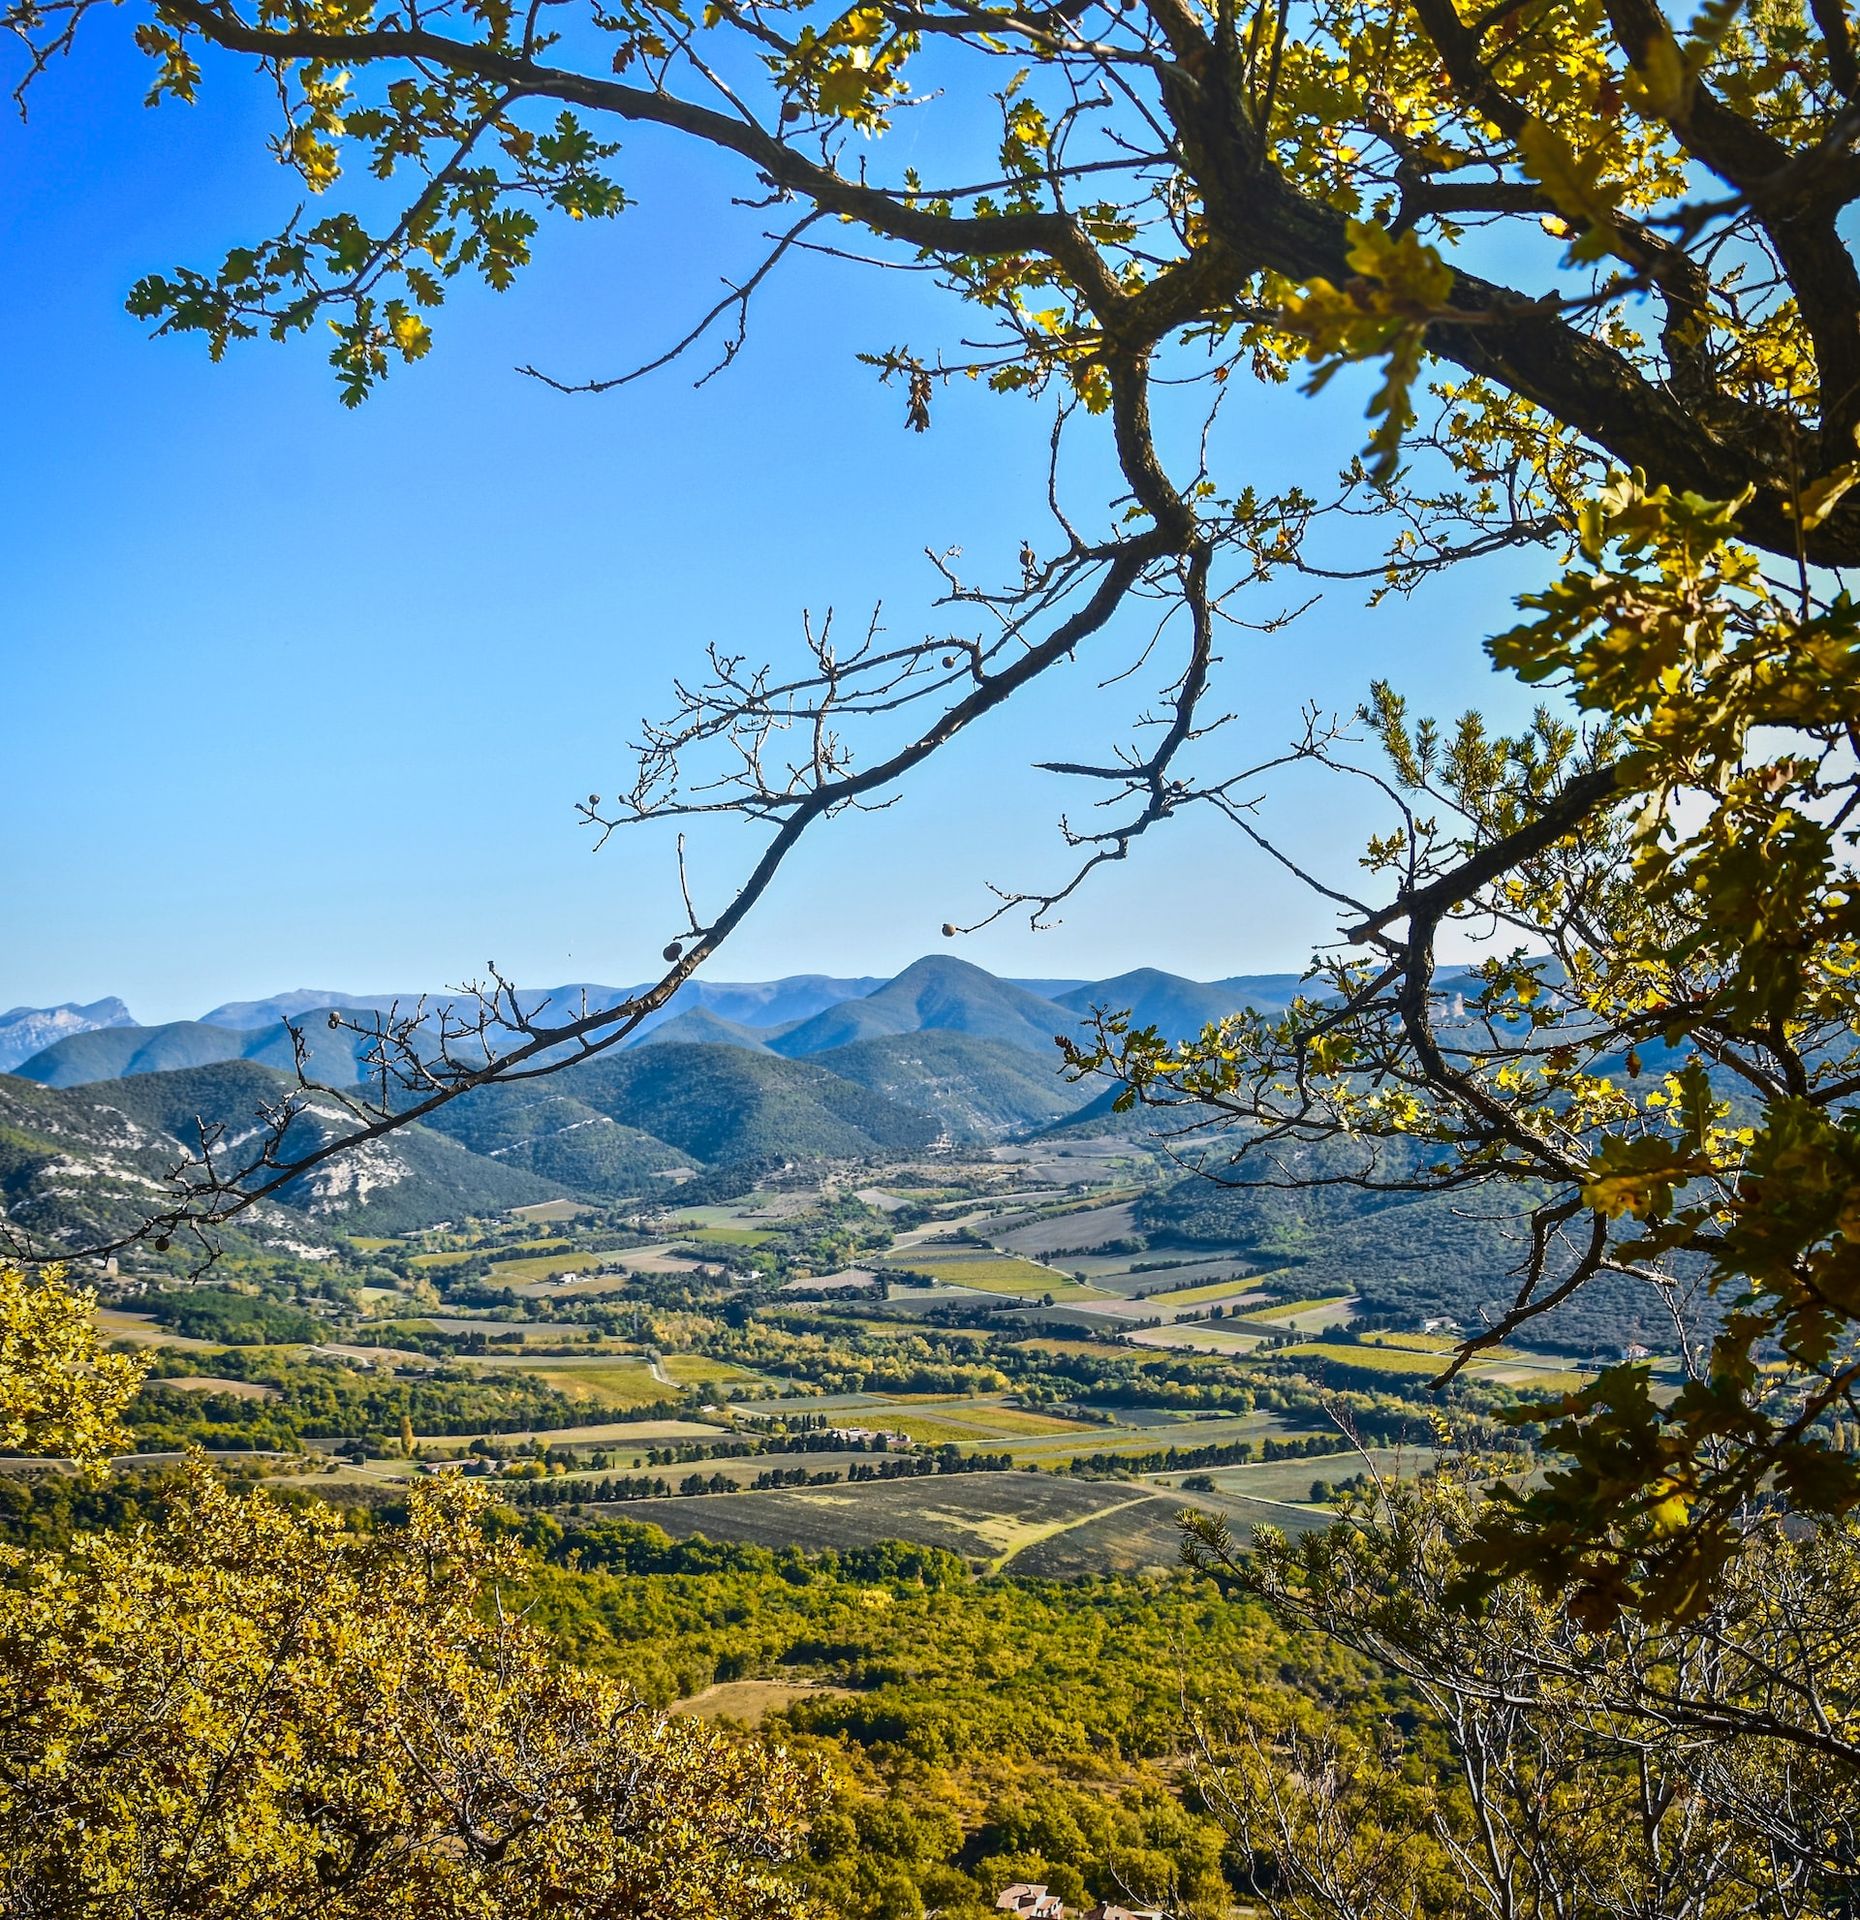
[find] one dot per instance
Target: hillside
(1404, 1256)
(545, 1127)
(73, 1168)
(724, 1103)
(78, 1164)
(975, 1088)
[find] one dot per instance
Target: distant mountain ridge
(814, 1066)
(25, 1031)
(799, 1017)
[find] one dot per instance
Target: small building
(1635, 1351)
(1032, 1903)
(1106, 1910)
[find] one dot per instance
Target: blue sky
(299, 696)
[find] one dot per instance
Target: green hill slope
(723, 1103)
(78, 1164)
(977, 1089)
(544, 1127)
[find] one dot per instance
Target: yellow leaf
(1820, 497)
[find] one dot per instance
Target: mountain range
(799, 1017)
(811, 1066)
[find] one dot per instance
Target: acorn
(335, 1019)
(673, 951)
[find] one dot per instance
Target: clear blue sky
(297, 696)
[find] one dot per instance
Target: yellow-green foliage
(249, 1711)
(60, 1392)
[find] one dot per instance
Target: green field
(616, 1383)
(990, 1272)
(687, 1235)
(985, 1424)
(1240, 1286)
(1420, 1366)
(543, 1266)
(700, 1370)
(1292, 1480)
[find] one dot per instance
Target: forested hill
(82, 1159)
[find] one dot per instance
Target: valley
(849, 1373)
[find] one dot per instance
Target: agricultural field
(607, 1381)
(988, 1518)
(703, 1236)
(699, 1370)
(1421, 1357)
(749, 1702)
(1299, 1316)
(208, 1383)
(1234, 1289)
(1200, 1336)
(983, 1271)
(542, 1266)
(551, 1212)
(1069, 1231)
(985, 1423)
(1396, 1360)
(599, 1433)
(144, 1330)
